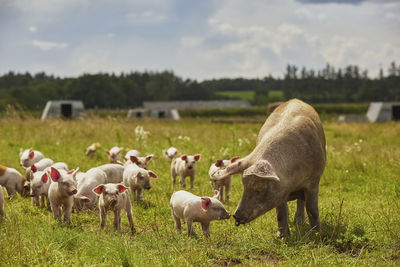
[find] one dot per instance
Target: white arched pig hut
(63, 109)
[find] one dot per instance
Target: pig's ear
(197, 157)
(31, 153)
(176, 152)
(45, 178)
(121, 188)
(33, 168)
(183, 157)
(74, 172)
(99, 189)
(234, 159)
(152, 174)
(233, 168)
(54, 174)
(205, 203)
(118, 152)
(166, 152)
(263, 169)
(218, 163)
(148, 158)
(134, 159)
(108, 153)
(216, 193)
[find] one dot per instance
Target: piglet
(130, 153)
(184, 166)
(29, 157)
(114, 197)
(13, 181)
(139, 161)
(91, 150)
(1, 202)
(224, 183)
(171, 153)
(89, 180)
(137, 179)
(191, 208)
(38, 166)
(40, 184)
(114, 154)
(61, 192)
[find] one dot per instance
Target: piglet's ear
(71, 172)
(234, 159)
(33, 168)
(121, 188)
(45, 178)
(108, 153)
(184, 157)
(152, 174)
(218, 163)
(118, 152)
(166, 152)
(54, 174)
(31, 154)
(205, 203)
(99, 189)
(134, 159)
(176, 152)
(149, 157)
(197, 157)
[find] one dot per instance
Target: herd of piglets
(53, 185)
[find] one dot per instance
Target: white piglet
(191, 208)
(130, 153)
(171, 153)
(114, 155)
(40, 184)
(114, 197)
(139, 161)
(61, 192)
(85, 185)
(184, 166)
(137, 179)
(1, 202)
(224, 183)
(29, 157)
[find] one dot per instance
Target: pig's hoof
(282, 234)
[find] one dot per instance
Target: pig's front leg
(189, 226)
(67, 212)
(282, 216)
(206, 228)
(140, 194)
(117, 219)
(182, 181)
(42, 200)
(299, 217)
(177, 223)
(56, 211)
(130, 219)
(192, 181)
(103, 217)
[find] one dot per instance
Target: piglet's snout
(74, 191)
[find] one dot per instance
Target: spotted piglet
(61, 192)
(184, 166)
(114, 197)
(191, 208)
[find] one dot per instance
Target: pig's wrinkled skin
(137, 179)
(61, 193)
(85, 184)
(38, 166)
(29, 157)
(224, 183)
(171, 153)
(191, 208)
(1, 202)
(114, 197)
(13, 181)
(114, 155)
(139, 161)
(40, 184)
(114, 172)
(286, 164)
(184, 166)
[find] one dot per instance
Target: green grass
(359, 199)
(244, 95)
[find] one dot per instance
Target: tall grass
(359, 199)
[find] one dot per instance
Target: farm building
(137, 113)
(383, 111)
(63, 109)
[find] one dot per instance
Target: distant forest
(127, 90)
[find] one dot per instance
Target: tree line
(103, 90)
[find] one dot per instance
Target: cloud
(46, 46)
(146, 17)
(32, 29)
(347, 2)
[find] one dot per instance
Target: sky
(197, 39)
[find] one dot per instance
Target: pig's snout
(190, 167)
(74, 191)
(31, 195)
(147, 187)
(113, 202)
(237, 220)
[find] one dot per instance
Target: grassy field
(244, 95)
(359, 199)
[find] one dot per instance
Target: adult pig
(286, 164)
